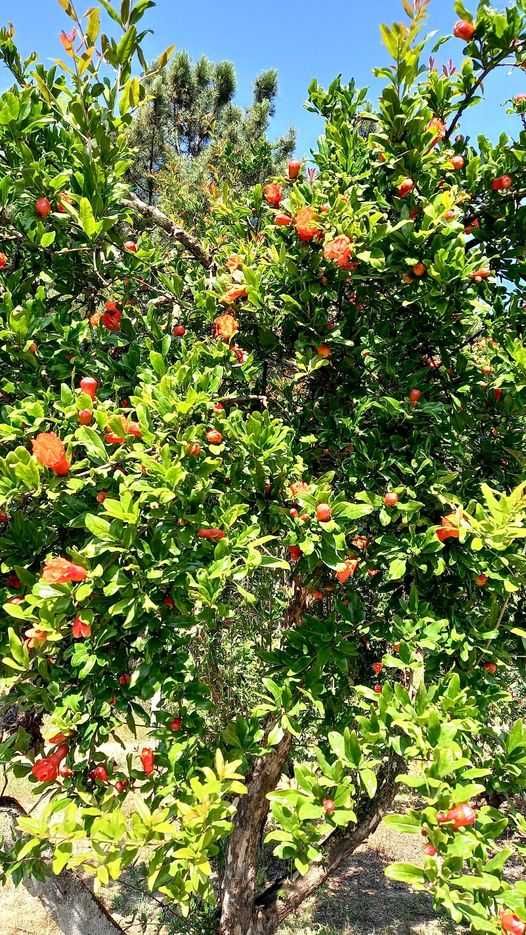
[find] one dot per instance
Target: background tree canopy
(191, 140)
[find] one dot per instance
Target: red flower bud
(147, 760)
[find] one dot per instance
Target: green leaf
(47, 239)
(462, 11)
(516, 737)
(368, 777)
(485, 882)
(397, 569)
(92, 442)
(337, 744)
(351, 510)
(100, 528)
(276, 735)
(158, 363)
(309, 811)
(61, 857)
(116, 509)
(406, 873)
(18, 651)
(126, 46)
(132, 95)
(16, 611)
(93, 25)
(111, 11)
(405, 824)
(87, 219)
(389, 39)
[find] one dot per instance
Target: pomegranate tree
(283, 542)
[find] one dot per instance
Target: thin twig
(243, 399)
(469, 97)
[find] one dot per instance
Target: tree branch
(159, 219)
(239, 400)
(471, 94)
(340, 845)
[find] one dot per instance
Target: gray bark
(238, 890)
(161, 220)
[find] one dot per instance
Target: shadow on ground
(361, 899)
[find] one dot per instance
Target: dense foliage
(264, 507)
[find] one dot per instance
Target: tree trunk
(69, 901)
(73, 906)
(239, 915)
(244, 913)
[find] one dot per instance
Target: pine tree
(190, 134)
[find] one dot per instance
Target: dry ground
(358, 901)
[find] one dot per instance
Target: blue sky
(301, 38)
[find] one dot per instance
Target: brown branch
(159, 219)
(339, 846)
(471, 94)
(238, 400)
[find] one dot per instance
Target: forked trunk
(243, 911)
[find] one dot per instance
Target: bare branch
(239, 400)
(159, 219)
(471, 94)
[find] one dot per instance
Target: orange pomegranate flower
(305, 222)
(128, 428)
(339, 251)
(449, 528)
(112, 439)
(35, 638)
(45, 769)
(49, 451)
(67, 39)
(437, 127)
(298, 488)
(273, 194)
(94, 319)
(238, 292)
(225, 327)
(112, 320)
(348, 570)
(80, 629)
(61, 571)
